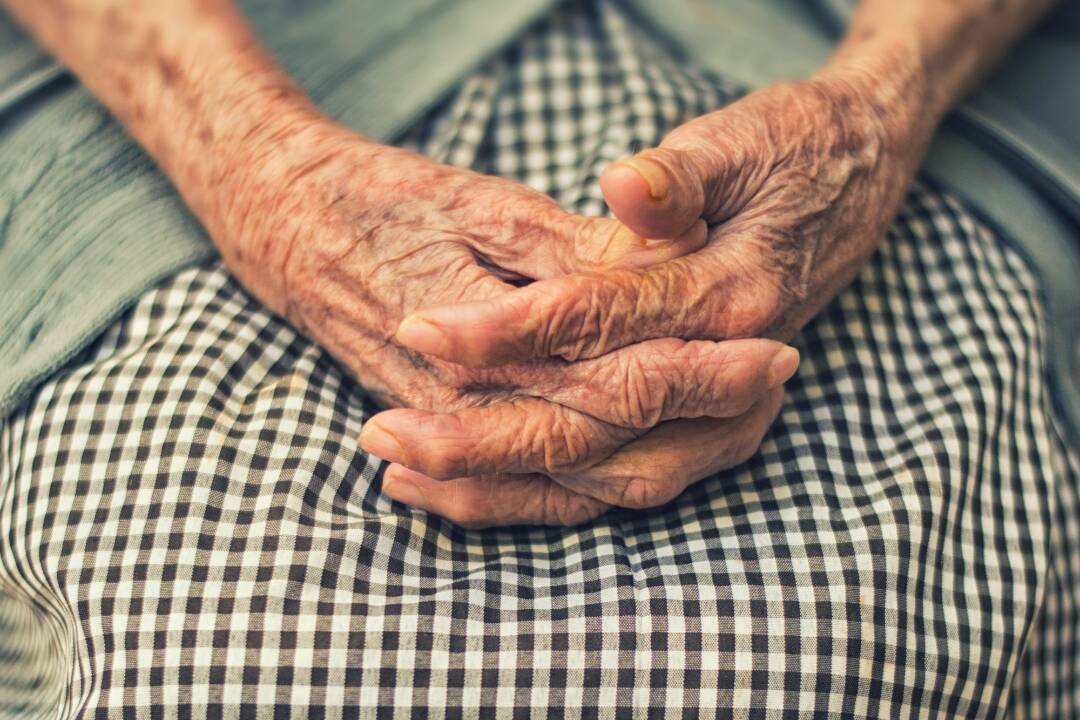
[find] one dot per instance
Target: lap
(187, 513)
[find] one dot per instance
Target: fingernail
(420, 335)
(404, 492)
(378, 441)
(654, 176)
(782, 367)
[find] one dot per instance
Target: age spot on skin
(168, 69)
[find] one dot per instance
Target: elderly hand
(345, 238)
(797, 183)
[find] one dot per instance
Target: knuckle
(451, 449)
(735, 404)
(714, 383)
(569, 509)
(580, 327)
(720, 398)
(594, 243)
(668, 378)
(753, 309)
(473, 505)
(765, 305)
(541, 501)
(641, 402)
(446, 461)
(736, 294)
(565, 445)
(746, 446)
(639, 492)
(730, 384)
(679, 296)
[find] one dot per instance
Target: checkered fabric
(187, 528)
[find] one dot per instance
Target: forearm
(189, 80)
(918, 58)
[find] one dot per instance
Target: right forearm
(189, 80)
(920, 57)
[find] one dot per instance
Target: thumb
(698, 172)
(660, 192)
(602, 243)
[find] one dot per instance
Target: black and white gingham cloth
(187, 528)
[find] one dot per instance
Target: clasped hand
(541, 367)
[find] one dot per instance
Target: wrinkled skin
(345, 238)
(797, 183)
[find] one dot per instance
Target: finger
(573, 317)
(534, 238)
(659, 465)
(707, 168)
(650, 382)
(712, 295)
(660, 192)
(519, 436)
(577, 244)
(492, 500)
(645, 473)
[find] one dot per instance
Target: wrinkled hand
(345, 238)
(797, 182)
